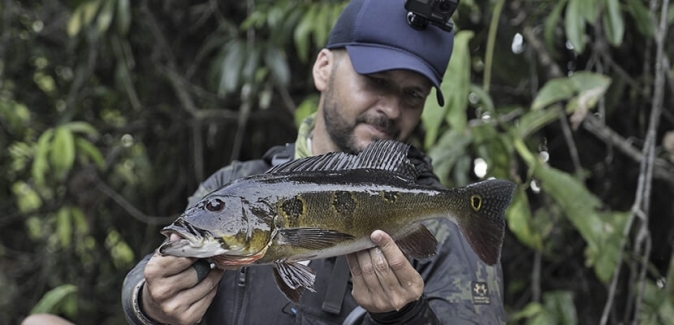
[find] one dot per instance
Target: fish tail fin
(483, 220)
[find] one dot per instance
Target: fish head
(226, 229)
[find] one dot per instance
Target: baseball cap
(378, 38)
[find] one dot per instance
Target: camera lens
(444, 5)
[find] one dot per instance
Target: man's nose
(389, 104)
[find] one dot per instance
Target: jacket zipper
(240, 311)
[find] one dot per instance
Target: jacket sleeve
(134, 280)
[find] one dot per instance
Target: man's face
(359, 109)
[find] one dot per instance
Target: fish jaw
(192, 246)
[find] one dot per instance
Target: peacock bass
(328, 205)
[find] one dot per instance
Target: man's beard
(342, 133)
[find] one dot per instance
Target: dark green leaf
(613, 23)
(275, 59)
(40, 162)
(551, 26)
(554, 91)
(62, 153)
(50, 301)
(86, 149)
(574, 24)
(534, 121)
(519, 222)
(64, 227)
(230, 67)
(105, 16)
(642, 17)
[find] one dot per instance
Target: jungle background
(112, 112)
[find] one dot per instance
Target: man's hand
(383, 278)
(172, 293)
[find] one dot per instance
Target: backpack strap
(334, 296)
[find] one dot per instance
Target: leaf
(302, 32)
(40, 163)
(53, 298)
(62, 153)
(590, 87)
(27, 199)
(642, 17)
(79, 221)
(590, 10)
(560, 305)
(458, 84)
(532, 309)
(553, 91)
(64, 228)
(275, 59)
(446, 152)
(574, 24)
(321, 19)
(123, 17)
(455, 87)
(601, 232)
(105, 16)
(87, 149)
(82, 127)
(230, 67)
(520, 222)
(308, 106)
(551, 25)
(534, 121)
(614, 25)
(82, 16)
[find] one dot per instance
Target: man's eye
(414, 94)
(377, 81)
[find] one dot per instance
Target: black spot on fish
(344, 203)
(476, 202)
(293, 209)
(389, 197)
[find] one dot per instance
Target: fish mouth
(194, 242)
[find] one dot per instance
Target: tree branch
(128, 207)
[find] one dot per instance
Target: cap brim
(373, 59)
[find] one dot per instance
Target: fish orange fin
(419, 243)
(293, 278)
(312, 238)
(483, 225)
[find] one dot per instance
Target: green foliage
(112, 111)
(57, 300)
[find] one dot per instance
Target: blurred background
(113, 111)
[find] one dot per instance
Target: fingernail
(376, 237)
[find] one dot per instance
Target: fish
(328, 205)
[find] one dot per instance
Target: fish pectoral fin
(419, 243)
(312, 238)
(293, 278)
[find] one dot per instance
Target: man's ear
(323, 68)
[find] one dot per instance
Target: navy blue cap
(378, 38)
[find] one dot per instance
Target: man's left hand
(383, 278)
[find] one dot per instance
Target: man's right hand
(172, 293)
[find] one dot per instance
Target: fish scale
(328, 205)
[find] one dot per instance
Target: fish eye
(215, 205)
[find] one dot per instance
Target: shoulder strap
(279, 154)
(334, 296)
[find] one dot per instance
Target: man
(374, 76)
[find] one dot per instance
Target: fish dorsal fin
(389, 155)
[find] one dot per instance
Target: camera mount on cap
(437, 12)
